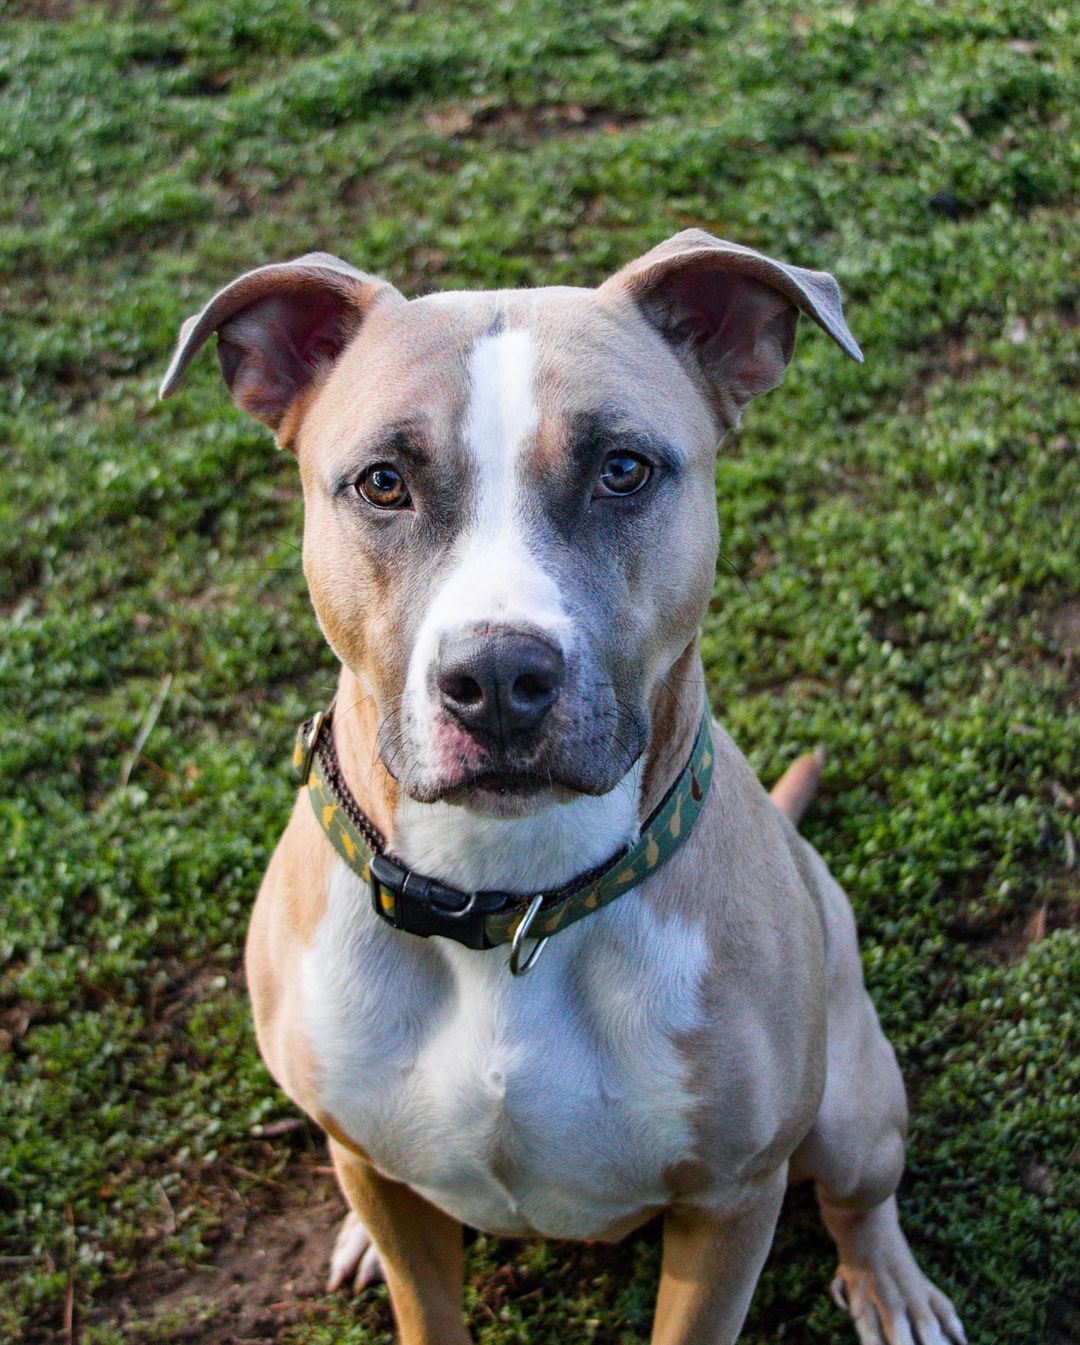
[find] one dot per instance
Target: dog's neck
(524, 854)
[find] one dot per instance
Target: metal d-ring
(518, 968)
(310, 743)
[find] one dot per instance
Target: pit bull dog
(536, 949)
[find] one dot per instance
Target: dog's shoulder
(758, 1049)
(745, 872)
(290, 906)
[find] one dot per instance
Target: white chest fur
(552, 1103)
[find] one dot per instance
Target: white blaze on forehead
(501, 417)
(492, 575)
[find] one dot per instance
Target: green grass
(906, 535)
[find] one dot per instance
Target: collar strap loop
(424, 906)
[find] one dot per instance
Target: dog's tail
(794, 790)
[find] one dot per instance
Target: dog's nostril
(462, 689)
(531, 687)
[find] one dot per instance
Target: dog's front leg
(710, 1267)
(420, 1248)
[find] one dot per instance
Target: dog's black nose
(499, 683)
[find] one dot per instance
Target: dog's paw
(354, 1254)
(895, 1304)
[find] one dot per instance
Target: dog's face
(510, 526)
(493, 485)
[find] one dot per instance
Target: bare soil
(268, 1271)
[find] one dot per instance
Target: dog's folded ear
(280, 330)
(730, 311)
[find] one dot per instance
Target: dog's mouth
(499, 792)
(509, 783)
(503, 792)
(522, 779)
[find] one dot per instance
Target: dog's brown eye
(383, 486)
(622, 474)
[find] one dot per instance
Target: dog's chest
(553, 1103)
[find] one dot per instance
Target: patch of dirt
(522, 127)
(16, 1020)
(178, 986)
(1007, 940)
(268, 1270)
(1063, 627)
(889, 624)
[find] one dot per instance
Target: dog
(536, 949)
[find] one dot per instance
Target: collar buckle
(424, 906)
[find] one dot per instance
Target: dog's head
(510, 528)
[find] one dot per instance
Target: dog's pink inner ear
(741, 332)
(729, 312)
(271, 351)
(280, 330)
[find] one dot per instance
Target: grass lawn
(902, 583)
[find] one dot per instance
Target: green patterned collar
(423, 906)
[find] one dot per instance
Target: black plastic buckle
(424, 906)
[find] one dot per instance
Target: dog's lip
(459, 786)
(492, 787)
(487, 783)
(505, 782)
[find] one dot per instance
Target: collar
(424, 906)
